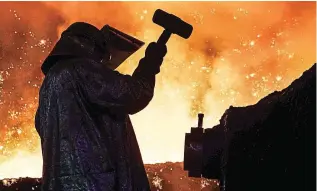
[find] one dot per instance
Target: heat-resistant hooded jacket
(88, 142)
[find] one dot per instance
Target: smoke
(238, 53)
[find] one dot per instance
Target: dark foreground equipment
(267, 146)
(172, 25)
(194, 149)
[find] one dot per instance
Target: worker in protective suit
(88, 142)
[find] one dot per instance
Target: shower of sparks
(42, 42)
(7, 182)
(237, 54)
(157, 182)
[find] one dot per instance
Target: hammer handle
(164, 37)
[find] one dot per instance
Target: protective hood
(78, 40)
(120, 45)
(85, 40)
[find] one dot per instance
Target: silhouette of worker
(88, 142)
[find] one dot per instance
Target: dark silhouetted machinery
(203, 153)
(194, 149)
(267, 146)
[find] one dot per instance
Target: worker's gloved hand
(153, 59)
(155, 51)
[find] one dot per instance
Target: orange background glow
(237, 54)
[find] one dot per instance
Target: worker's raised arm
(110, 90)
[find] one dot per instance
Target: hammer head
(172, 24)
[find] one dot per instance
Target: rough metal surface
(270, 145)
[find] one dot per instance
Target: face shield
(119, 46)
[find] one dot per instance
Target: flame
(238, 53)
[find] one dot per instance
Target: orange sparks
(239, 52)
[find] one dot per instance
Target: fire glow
(238, 53)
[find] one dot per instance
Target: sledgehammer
(172, 25)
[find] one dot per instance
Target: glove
(153, 59)
(155, 51)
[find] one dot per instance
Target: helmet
(108, 45)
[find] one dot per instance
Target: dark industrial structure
(267, 146)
